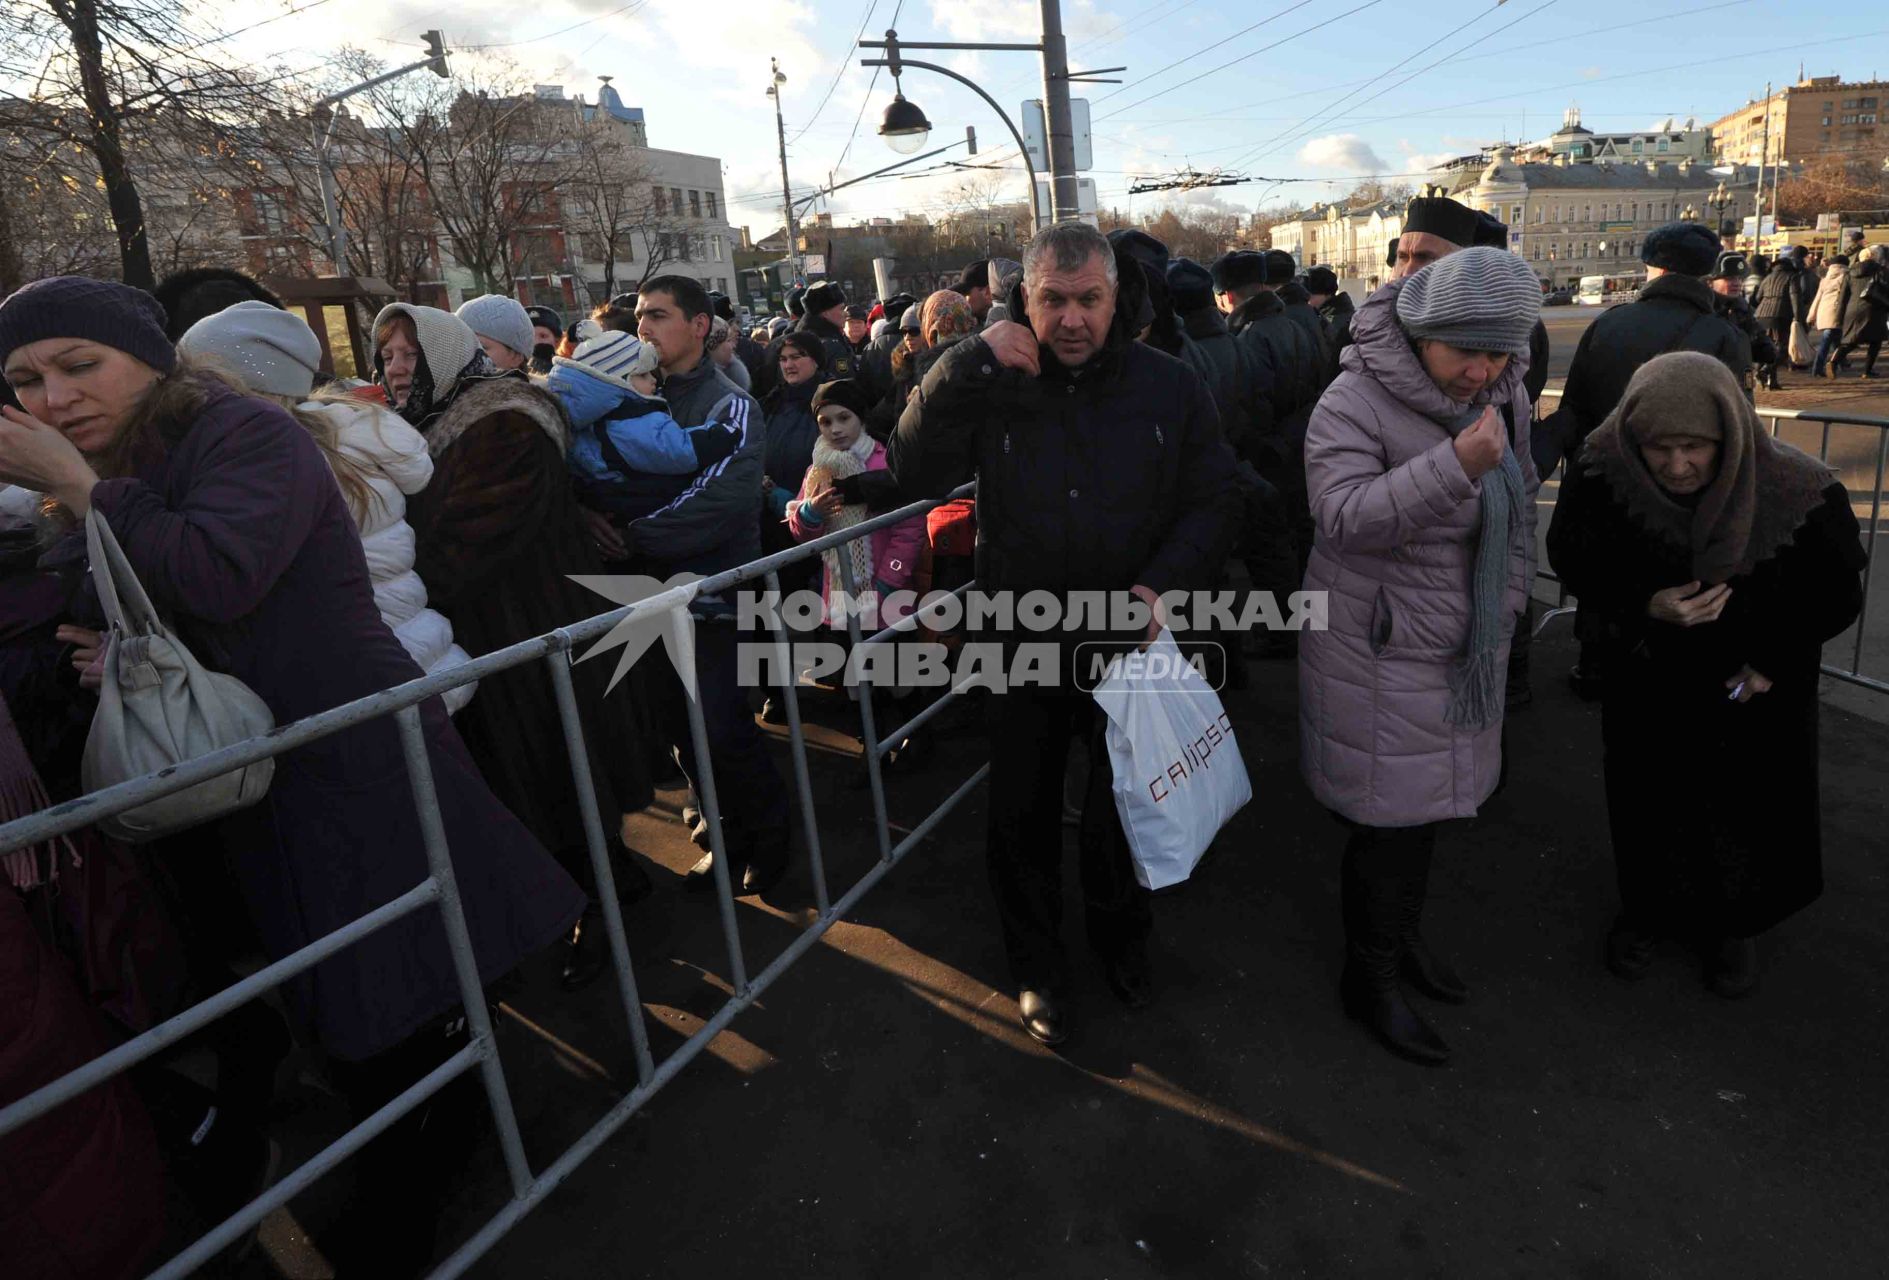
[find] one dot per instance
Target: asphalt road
(880, 1113)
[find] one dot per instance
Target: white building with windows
(1571, 220)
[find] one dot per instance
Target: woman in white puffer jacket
(379, 461)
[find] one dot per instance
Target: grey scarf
(1476, 681)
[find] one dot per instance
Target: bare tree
(106, 64)
(613, 203)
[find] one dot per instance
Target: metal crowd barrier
(440, 888)
(1853, 673)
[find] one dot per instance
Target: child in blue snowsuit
(628, 457)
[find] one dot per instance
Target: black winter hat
(1321, 280)
(1280, 267)
(1443, 217)
(857, 311)
(822, 297)
(189, 296)
(1141, 246)
(795, 307)
(723, 306)
(1390, 252)
(623, 301)
(1730, 266)
(1190, 284)
(546, 317)
(844, 392)
(975, 276)
(1491, 231)
(1684, 248)
(897, 305)
(103, 311)
(1238, 269)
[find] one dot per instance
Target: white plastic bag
(1178, 772)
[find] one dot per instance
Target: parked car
(1562, 297)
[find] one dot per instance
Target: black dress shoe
(765, 868)
(587, 952)
(1042, 1016)
(1732, 968)
(700, 878)
(1381, 1007)
(1430, 974)
(1131, 977)
(1629, 951)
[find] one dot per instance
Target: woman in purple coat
(1422, 494)
(235, 526)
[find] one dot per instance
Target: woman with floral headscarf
(498, 533)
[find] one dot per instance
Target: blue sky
(1425, 78)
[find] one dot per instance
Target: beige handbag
(159, 707)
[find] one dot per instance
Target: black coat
(1337, 311)
(1778, 295)
(1866, 312)
(1208, 347)
(1673, 313)
(1286, 368)
(1713, 804)
(1735, 311)
(1094, 479)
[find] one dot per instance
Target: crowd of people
(1136, 423)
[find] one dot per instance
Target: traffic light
(970, 139)
(436, 50)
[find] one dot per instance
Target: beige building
(1818, 116)
(1352, 242)
(1572, 220)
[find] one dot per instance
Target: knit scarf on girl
(829, 466)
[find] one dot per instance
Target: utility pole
(787, 199)
(1764, 154)
(1057, 123)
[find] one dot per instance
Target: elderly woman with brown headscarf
(1720, 560)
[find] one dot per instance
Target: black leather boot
(1422, 968)
(1373, 910)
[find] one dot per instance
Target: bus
(1598, 291)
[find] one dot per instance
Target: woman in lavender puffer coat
(1422, 494)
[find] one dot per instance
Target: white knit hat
(502, 319)
(615, 356)
(270, 349)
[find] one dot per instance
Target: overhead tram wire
(1324, 117)
(846, 60)
(1135, 22)
(1224, 40)
(632, 6)
(1338, 17)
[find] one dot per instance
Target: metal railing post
(797, 743)
(868, 733)
(680, 625)
(1869, 547)
(459, 943)
(558, 660)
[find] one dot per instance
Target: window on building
(1868, 117)
(271, 212)
(1826, 121)
(710, 197)
(1541, 213)
(697, 247)
(1638, 146)
(1664, 145)
(659, 199)
(675, 201)
(721, 282)
(1633, 211)
(1515, 215)
(715, 247)
(1587, 213)
(1865, 102)
(695, 204)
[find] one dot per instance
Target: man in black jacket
(1674, 312)
(1100, 468)
(1334, 307)
(1776, 309)
(1286, 370)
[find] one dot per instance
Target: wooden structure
(333, 307)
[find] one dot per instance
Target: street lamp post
(905, 125)
(1718, 200)
(787, 199)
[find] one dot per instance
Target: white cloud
(1344, 151)
(1419, 162)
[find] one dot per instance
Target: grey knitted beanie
(270, 349)
(1479, 299)
(502, 319)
